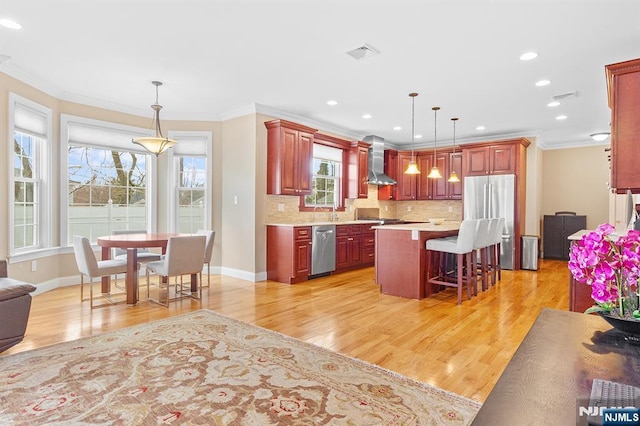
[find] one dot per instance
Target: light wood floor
(463, 348)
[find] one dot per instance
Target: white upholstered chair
(184, 256)
(462, 246)
(89, 266)
(208, 250)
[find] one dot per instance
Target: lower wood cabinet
(355, 246)
(556, 231)
(288, 253)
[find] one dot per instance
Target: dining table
(133, 242)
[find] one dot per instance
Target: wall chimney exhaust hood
(376, 162)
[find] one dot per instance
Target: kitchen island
(401, 256)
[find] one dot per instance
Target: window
(326, 173)
(30, 125)
(108, 180)
(191, 193)
(190, 206)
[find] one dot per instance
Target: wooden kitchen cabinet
(359, 178)
(355, 246)
(491, 160)
(442, 189)
(289, 156)
(389, 192)
(454, 189)
(288, 253)
(414, 187)
(623, 87)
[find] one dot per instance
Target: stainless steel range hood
(376, 162)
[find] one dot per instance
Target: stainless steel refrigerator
(489, 197)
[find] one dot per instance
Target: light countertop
(444, 226)
(341, 222)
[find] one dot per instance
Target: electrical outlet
(386, 208)
(280, 207)
(408, 208)
(34, 265)
(450, 209)
(235, 200)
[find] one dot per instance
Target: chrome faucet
(334, 216)
(313, 215)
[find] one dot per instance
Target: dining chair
(184, 256)
(208, 250)
(482, 240)
(144, 255)
(90, 266)
(462, 247)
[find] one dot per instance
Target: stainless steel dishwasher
(323, 249)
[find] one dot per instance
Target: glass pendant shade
(155, 144)
(453, 177)
(434, 173)
(412, 168)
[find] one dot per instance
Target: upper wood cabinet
(494, 158)
(623, 87)
(359, 170)
(389, 192)
(289, 156)
(454, 189)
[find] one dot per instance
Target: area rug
(203, 368)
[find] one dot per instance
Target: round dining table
(133, 242)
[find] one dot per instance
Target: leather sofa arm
(11, 289)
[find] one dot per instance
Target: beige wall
(576, 180)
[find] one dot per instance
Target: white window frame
(44, 178)
(333, 155)
(190, 143)
(69, 120)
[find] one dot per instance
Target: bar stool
(483, 238)
(462, 247)
(496, 250)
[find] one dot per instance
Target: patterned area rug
(202, 369)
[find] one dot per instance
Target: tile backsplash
(284, 209)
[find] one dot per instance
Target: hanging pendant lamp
(155, 144)
(435, 173)
(412, 168)
(453, 177)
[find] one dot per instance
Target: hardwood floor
(463, 348)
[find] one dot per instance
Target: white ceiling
(220, 57)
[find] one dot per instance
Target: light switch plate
(415, 235)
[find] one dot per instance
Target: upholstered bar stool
(482, 240)
(462, 247)
(495, 251)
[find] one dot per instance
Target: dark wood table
(551, 373)
(132, 242)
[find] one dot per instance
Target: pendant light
(412, 168)
(453, 177)
(158, 143)
(435, 173)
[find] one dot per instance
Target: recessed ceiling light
(10, 23)
(366, 116)
(418, 136)
(541, 83)
(553, 104)
(332, 102)
(561, 117)
(480, 128)
(528, 56)
(397, 128)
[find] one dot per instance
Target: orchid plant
(611, 266)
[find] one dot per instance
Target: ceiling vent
(362, 52)
(565, 96)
